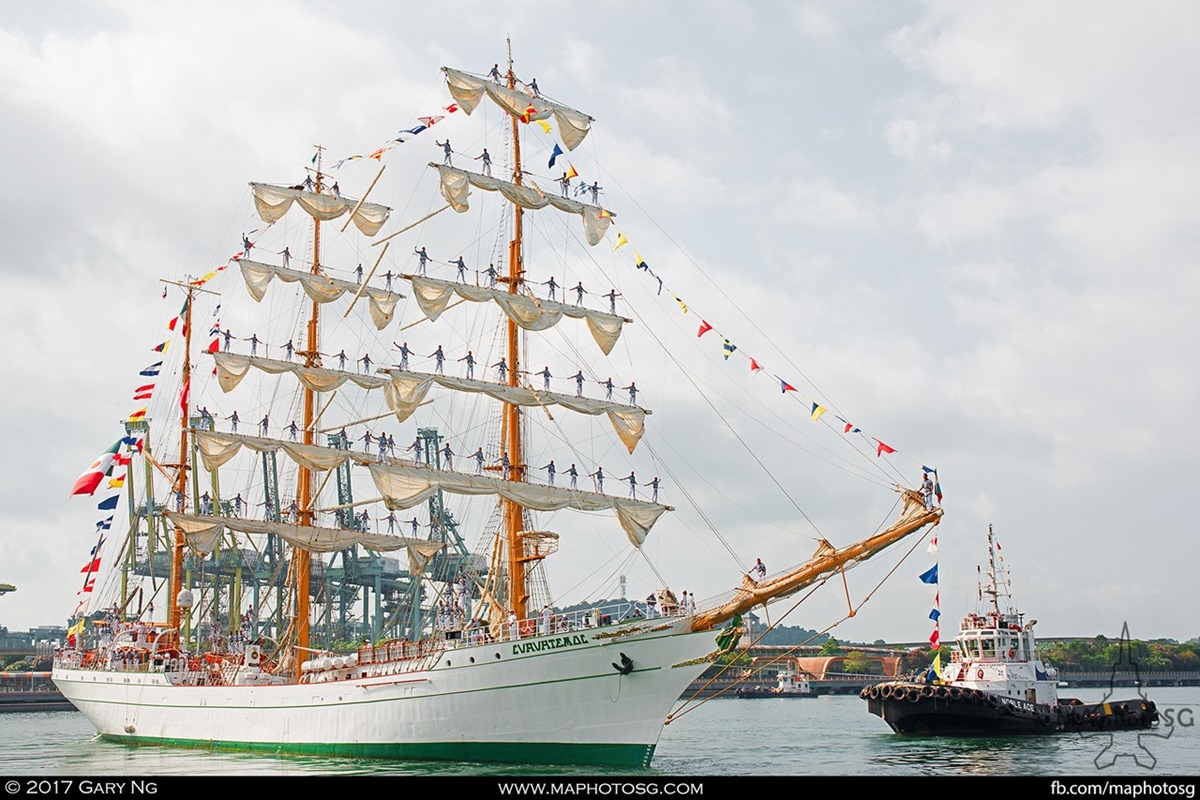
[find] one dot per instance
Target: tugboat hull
(931, 710)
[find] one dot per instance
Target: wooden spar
(361, 200)
(362, 287)
(409, 226)
(173, 613)
(826, 562)
(302, 559)
(510, 430)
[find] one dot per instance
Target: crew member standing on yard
(470, 359)
(760, 568)
(446, 148)
(550, 471)
(574, 473)
(927, 492)
(478, 456)
(486, 158)
(424, 256)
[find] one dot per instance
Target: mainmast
(312, 357)
(510, 431)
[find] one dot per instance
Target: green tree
(831, 647)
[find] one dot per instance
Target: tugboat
(995, 683)
(791, 683)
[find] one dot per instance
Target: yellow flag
(77, 628)
(682, 304)
(817, 411)
(937, 664)
(545, 125)
(620, 240)
(117, 482)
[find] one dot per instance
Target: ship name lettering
(549, 644)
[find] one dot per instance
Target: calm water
(824, 736)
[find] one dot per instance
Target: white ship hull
(542, 699)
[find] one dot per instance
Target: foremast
(510, 431)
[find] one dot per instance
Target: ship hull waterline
(970, 712)
(555, 699)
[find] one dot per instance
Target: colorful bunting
(729, 347)
(91, 566)
(183, 395)
(138, 415)
(935, 615)
(933, 545)
(90, 479)
(108, 505)
(682, 304)
(883, 448)
(785, 387)
(935, 638)
(96, 547)
(105, 524)
(930, 575)
(558, 151)
(116, 482)
(161, 348)
(621, 240)
(817, 411)
(571, 173)
(143, 392)
(704, 328)
(545, 126)
(152, 370)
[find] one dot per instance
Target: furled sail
(468, 90)
(404, 487)
(408, 390)
(272, 202)
(456, 189)
(319, 288)
(530, 313)
(232, 367)
(218, 448)
(203, 533)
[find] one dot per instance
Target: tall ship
(995, 683)
(296, 612)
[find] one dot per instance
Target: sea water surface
(828, 735)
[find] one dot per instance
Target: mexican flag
(91, 477)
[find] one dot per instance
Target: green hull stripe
(618, 755)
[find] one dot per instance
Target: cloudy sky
(965, 227)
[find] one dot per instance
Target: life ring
(1045, 720)
(978, 674)
(527, 627)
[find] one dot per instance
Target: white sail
(319, 288)
(232, 367)
(216, 449)
(272, 202)
(468, 90)
(203, 533)
(408, 390)
(530, 313)
(404, 487)
(456, 189)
